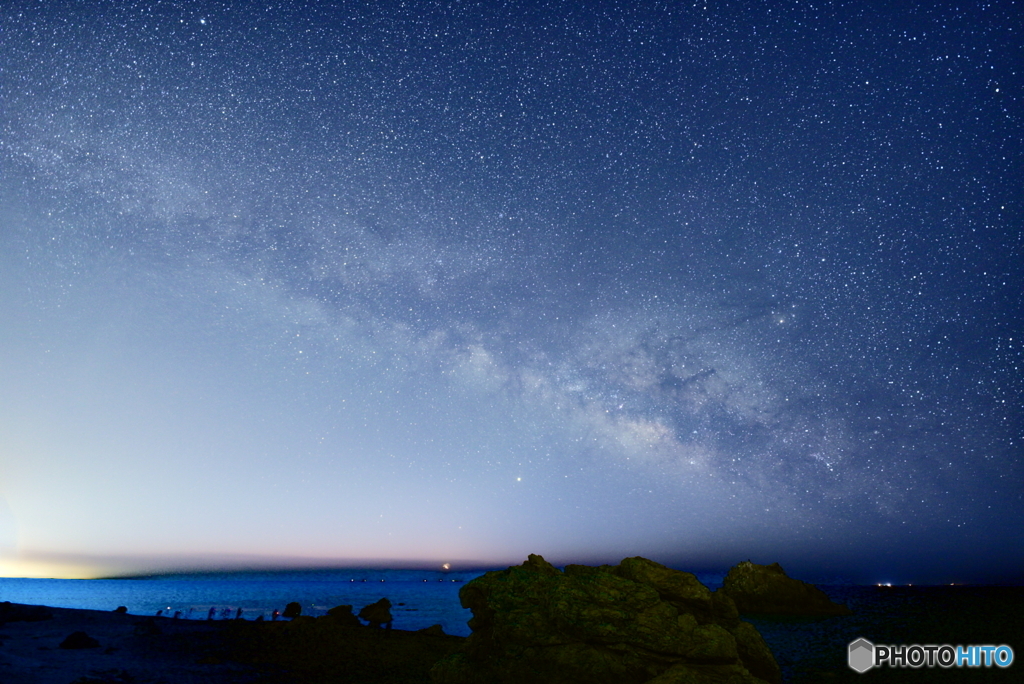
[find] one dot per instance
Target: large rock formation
(767, 589)
(632, 623)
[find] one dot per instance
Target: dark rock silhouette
(292, 610)
(432, 630)
(377, 613)
(766, 589)
(634, 623)
(16, 612)
(343, 616)
(79, 640)
(302, 621)
(121, 609)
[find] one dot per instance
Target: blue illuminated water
(420, 598)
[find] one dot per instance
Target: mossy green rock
(624, 624)
(766, 589)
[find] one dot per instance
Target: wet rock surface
(636, 622)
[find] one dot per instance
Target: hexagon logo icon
(861, 655)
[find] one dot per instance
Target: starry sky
(288, 283)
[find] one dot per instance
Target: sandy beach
(156, 650)
(131, 649)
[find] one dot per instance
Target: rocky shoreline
(637, 622)
(633, 623)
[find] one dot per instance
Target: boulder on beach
(121, 610)
(343, 616)
(634, 623)
(766, 589)
(79, 640)
(292, 610)
(377, 613)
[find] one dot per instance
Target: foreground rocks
(79, 640)
(377, 614)
(337, 649)
(634, 623)
(766, 589)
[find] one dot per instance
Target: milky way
(465, 282)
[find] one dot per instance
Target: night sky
(412, 283)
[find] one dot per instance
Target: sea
(808, 650)
(419, 598)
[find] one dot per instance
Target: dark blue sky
(458, 282)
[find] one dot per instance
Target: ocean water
(813, 650)
(419, 598)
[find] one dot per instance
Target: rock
(377, 613)
(16, 612)
(302, 622)
(292, 610)
(79, 640)
(681, 589)
(755, 654)
(121, 610)
(343, 616)
(767, 589)
(432, 630)
(632, 623)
